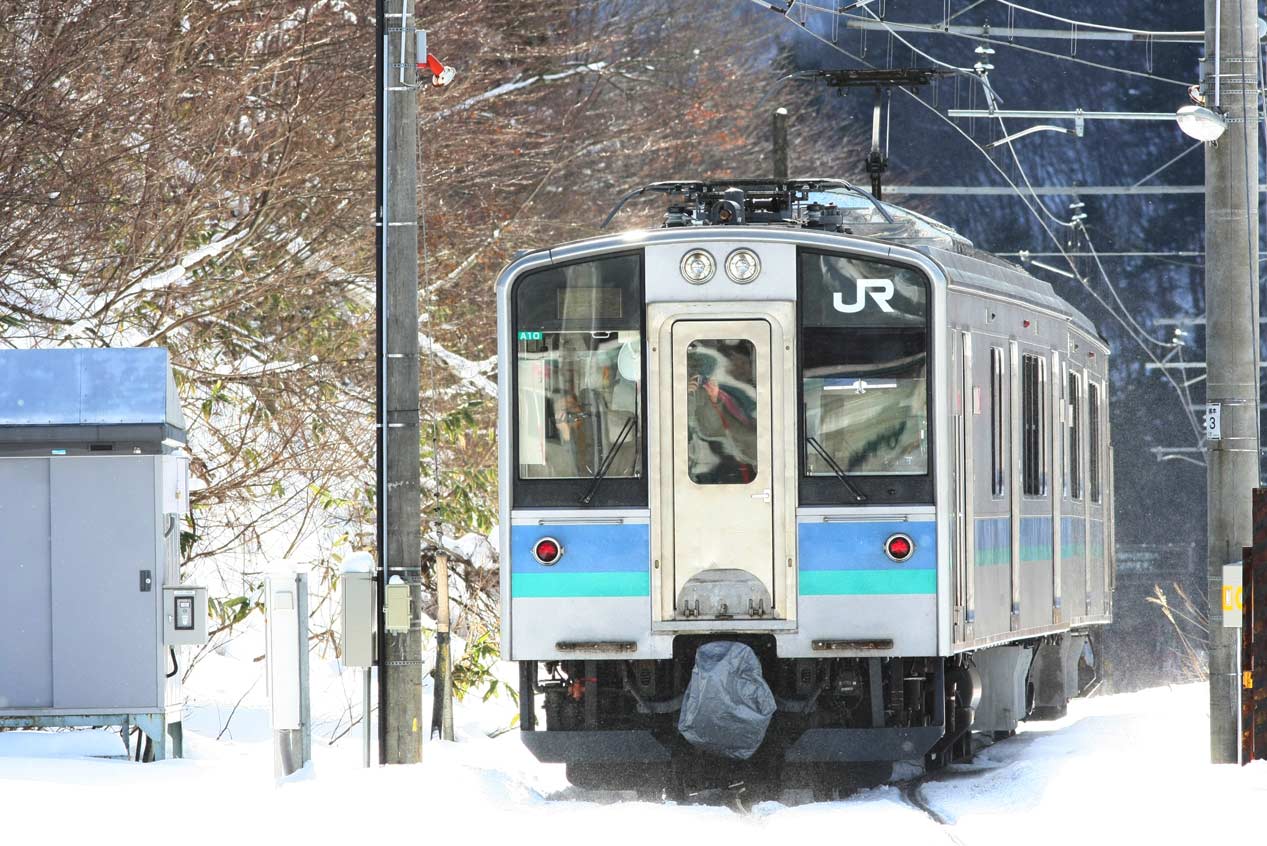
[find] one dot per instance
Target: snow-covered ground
(1119, 769)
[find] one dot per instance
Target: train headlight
(547, 551)
(698, 266)
(742, 266)
(899, 548)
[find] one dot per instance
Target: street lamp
(1201, 123)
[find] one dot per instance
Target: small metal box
(396, 614)
(359, 619)
(184, 616)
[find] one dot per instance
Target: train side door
(968, 405)
(723, 469)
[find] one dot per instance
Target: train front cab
(723, 461)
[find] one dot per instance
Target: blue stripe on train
(598, 560)
(847, 559)
(993, 541)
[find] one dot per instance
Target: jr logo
(881, 290)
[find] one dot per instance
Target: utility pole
(779, 127)
(399, 496)
(1231, 307)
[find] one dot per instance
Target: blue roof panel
(90, 387)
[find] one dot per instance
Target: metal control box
(359, 619)
(396, 613)
(184, 616)
(92, 494)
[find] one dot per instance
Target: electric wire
(912, 47)
(934, 30)
(971, 73)
(965, 10)
(989, 93)
(1128, 326)
(1087, 24)
(1144, 179)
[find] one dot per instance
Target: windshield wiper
(835, 468)
(625, 431)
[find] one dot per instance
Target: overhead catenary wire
(1128, 325)
(1123, 314)
(933, 29)
(989, 93)
(966, 9)
(1090, 24)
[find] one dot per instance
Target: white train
(867, 461)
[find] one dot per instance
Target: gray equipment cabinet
(93, 493)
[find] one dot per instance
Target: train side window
(1033, 425)
(1093, 430)
(998, 420)
(578, 373)
(1074, 476)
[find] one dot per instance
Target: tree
(199, 175)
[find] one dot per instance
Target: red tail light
(899, 547)
(547, 551)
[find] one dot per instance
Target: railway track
(912, 796)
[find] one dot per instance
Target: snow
(1126, 768)
(514, 85)
(358, 562)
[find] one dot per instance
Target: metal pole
(366, 700)
(399, 495)
(1008, 33)
(1231, 294)
(779, 124)
(305, 693)
(1059, 114)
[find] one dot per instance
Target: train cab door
(724, 498)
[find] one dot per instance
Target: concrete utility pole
(399, 498)
(1231, 307)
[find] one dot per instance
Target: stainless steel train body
(741, 462)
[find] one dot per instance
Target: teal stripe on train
(867, 582)
(993, 542)
(598, 560)
(559, 585)
(1097, 541)
(846, 558)
(1072, 541)
(1035, 539)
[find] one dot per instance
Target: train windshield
(578, 370)
(864, 366)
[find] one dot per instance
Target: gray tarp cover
(727, 705)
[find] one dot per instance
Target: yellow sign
(1232, 599)
(1232, 594)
